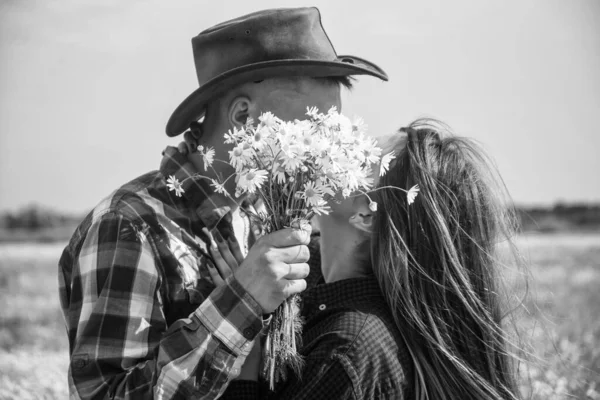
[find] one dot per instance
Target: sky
(86, 87)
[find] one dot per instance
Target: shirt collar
(210, 207)
(342, 293)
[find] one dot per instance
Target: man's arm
(122, 348)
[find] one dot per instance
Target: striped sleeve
(122, 347)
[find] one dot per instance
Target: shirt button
(322, 307)
(79, 364)
(249, 333)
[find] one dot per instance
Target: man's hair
(345, 81)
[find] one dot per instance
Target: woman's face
(392, 142)
(342, 209)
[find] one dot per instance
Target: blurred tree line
(34, 217)
(560, 217)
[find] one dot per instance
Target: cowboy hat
(265, 44)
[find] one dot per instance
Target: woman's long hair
(435, 261)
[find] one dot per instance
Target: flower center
(310, 192)
(250, 176)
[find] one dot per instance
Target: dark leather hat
(261, 45)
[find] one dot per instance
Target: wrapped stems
(280, 351)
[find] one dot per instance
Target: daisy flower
(208, 156)
(371, 152)
(234, 136)
(240, 156)
(412, 194)
(252, 180)
(365, 178)
(359, 126)
(324, 189)
(385, 163)
(312, 194)
(249, 123)
(312, 112)
(269, 120)
(259, 137)
(291, 161)
(339, 124)
(321, 208)
(279, 173)
(174, 185)
(219, 188)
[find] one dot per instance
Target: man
(144, 318)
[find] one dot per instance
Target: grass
(33, 340)
(562, 324)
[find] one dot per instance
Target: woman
(409, 304)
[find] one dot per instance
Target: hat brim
(193, 107)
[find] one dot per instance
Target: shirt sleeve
(121, 347)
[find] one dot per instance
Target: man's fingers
(214, 274)
(226, 254)
(190, 141)
(297, 271)
(182, 148)
(293, 287)
(221, 264)
(234, 246)
(289, 237)
(292, 255)
(305, 225)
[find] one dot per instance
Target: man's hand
(274, 269)
(190, 143)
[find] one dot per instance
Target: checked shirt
(351, 347)
(143, 317)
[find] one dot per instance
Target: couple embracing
(167, 288)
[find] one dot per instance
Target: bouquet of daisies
(295, 168)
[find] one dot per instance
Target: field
(561, 324)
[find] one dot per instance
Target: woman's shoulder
(365, 334)
(376, 358)
(349, 323)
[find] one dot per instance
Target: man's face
(288, 100)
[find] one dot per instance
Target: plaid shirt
(351, 346)
(143, 317)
